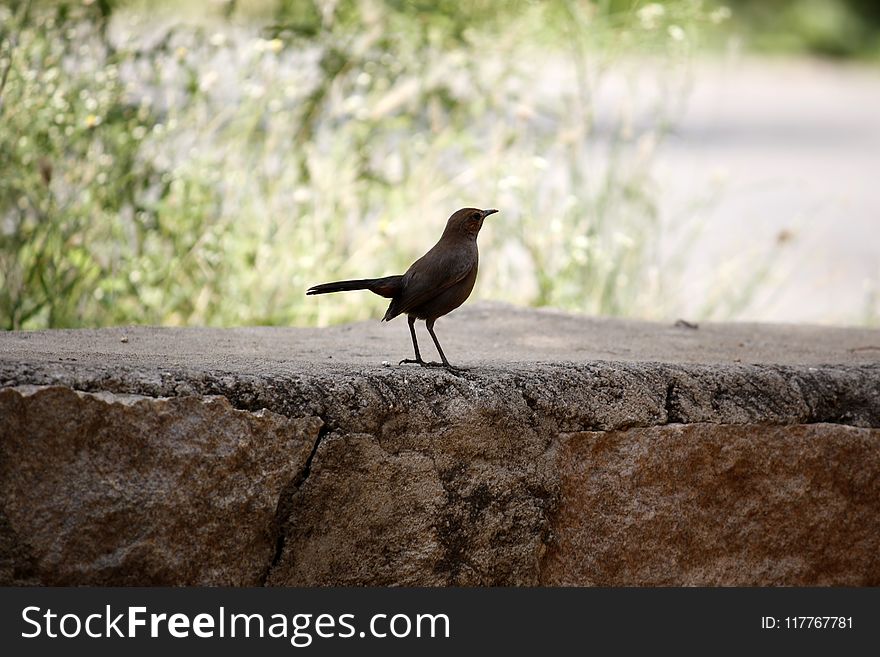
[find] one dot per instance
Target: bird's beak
(486, 213)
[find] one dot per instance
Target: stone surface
(485, 336)
(101, 489)
(565, 372)
(726, 454)
(459, 505)
(707, 504)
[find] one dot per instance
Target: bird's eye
(475, 215)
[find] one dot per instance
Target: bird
(434, 285)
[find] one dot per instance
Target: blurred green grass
(827, 28)
(164, 166)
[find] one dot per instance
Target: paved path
(794, 146)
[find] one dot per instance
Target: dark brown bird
(435, 284)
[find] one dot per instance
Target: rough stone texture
(565, 372)
(707, 504)
(460, 505)
(488, 477)
(98, 489)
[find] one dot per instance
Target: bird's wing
(437, 270)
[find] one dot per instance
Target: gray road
(793, 149)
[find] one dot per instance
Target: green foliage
(93, 231)
(209, 174)
(835, 28)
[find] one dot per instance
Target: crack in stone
(673, 414)
(281, 521)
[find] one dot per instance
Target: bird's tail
(385, 287)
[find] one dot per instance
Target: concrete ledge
(572, 451)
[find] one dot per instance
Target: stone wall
(570, 452)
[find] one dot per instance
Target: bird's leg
(445, 363)
(412, 331)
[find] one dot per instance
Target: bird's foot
(447, 366)
(419, 361)
(431, 363)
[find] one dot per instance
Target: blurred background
(203, 163)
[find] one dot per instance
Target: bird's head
(466, 221)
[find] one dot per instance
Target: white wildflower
(649, 15)
(720, 15)
(676, 32)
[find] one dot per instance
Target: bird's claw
(432, 363)
(452, 369)
(419, 361)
